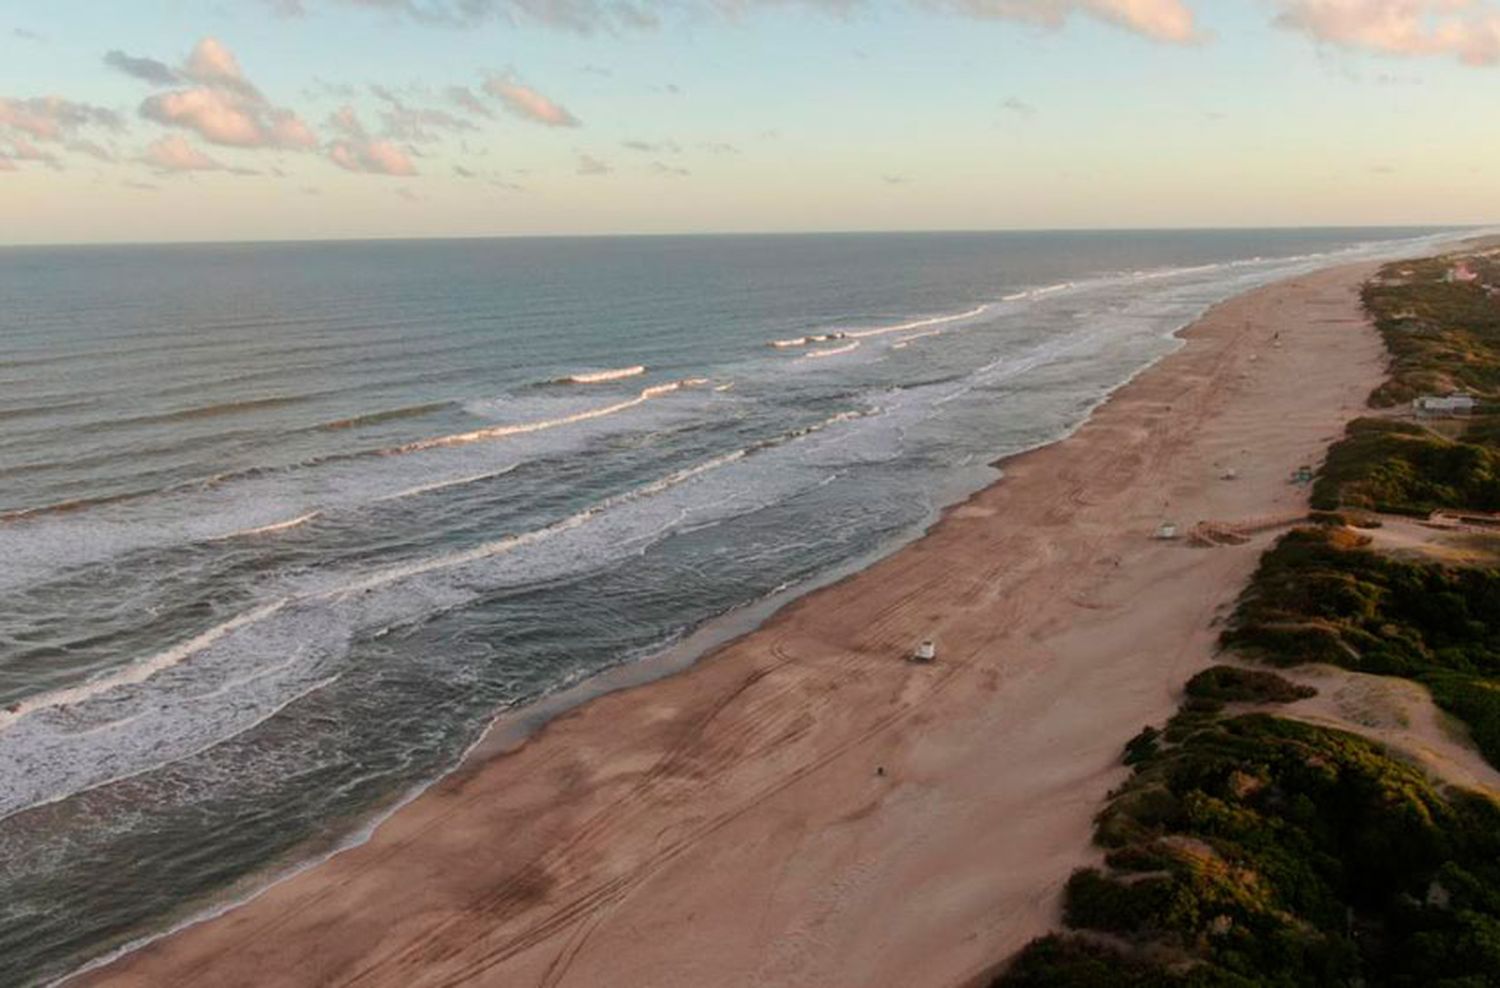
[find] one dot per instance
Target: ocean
(284, 526)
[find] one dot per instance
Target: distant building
(1457, 403)
(1460, 272)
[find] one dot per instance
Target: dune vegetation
(1248, 849)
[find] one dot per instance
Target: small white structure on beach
(1167, 530)
(1457, 403)
(1460, 273)
(925, 652)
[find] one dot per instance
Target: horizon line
(951, 231)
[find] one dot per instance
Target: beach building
(1456, 403)
(1460, 272)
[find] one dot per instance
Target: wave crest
(602, 376)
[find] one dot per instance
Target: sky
(187, 120)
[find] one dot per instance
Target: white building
(1457, 403)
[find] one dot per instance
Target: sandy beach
(803, 807)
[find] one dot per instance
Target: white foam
(817, 354)
(906, 341)
(600, 377)
(137, 672)
(502, 431)
(240, 672)
(439, 485)
(278, 526)
(863, 334)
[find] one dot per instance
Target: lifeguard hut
(924, 652)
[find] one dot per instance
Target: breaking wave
(521, 428)
(601, 376)
(277, 526)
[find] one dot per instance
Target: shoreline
(496, 748)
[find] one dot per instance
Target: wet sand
(805, 808)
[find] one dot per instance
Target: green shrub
(1312, 600)
(1290, 855)
(1401, 468)
(1231, 684)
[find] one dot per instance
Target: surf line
(599, 377)
(141, 671)
(815, 354)
(501, 431)
(277, 526)
(906, 341)
(864, 334)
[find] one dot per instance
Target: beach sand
(803, 807)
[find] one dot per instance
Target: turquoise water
(283, 526)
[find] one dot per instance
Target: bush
(1401, 468)
(1280, 834)
(1231, 684)
(1071, 962)
(1313, 600)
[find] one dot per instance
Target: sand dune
(804, 808)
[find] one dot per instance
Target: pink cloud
(1465, 29)
(23, 150)
(174, 153)
(357, 151)
(372, 157)
(51, 118)
(213, 64)
(527, 103)
(221, 117)
(226, 108)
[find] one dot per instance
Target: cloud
(144, 69)
(1466, 29)
(527, 103)
(23, 150)
(25, 35)
(1163, 20)
(579, 16)
(174, 153)
(91, 149)
(6, 165)
(1160, 20)
(661, 168)
(375, 157)
(463, 97)
(357, 151)
(213, 64)
(590, 165)
(1019, 107)
(413, 123)
(226, 118)
(225, 108)
(653, 147)
(52, 118)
